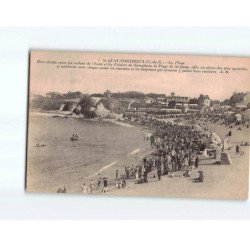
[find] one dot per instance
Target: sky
(45, 77)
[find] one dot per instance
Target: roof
(240, 105)
(76, 100)
(153, 95)
(96, 99)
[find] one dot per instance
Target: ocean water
(62, 162)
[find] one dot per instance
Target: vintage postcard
(138, 125)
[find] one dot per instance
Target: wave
(111, 164)
(135, 151)
(50, 113)
(103, 168)
(120, 123)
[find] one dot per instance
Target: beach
(220, 181)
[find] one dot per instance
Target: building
(172, 100)
(246, 99)
(149, 100)
(193, 106)
(177, 99)
(240, 99)
(240, 106)
(204, 101)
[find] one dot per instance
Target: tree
(129, 94)
(236, 98)
(52, 101)
(86, 104)
(72, 95)
(107, 93)
(96, 95)
(154, 96)
(53, 95)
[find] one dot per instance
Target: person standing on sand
(196, 162)
(186, 163)
(165, 168)
(117, 174)
(124, 183)
(91, 186)
(127, 172)
(150, 164)
(145, 176)
(156, 162)
(137, 173)
(117, 184)
(99, 183)
(105, 185)
(159, 173)
(152, 141)
(84, 188)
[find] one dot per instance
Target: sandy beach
(220, 181)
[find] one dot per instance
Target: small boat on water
(40, 145)
(74, 137)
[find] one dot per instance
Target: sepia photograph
(138, 125)
(121, 120)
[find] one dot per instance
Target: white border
(124, 235)
(129, 13)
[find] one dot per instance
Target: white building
(206, 102)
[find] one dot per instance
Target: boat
(40, 145)
(74, 137)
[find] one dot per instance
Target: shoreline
(60, 114)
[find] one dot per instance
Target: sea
(60, 161)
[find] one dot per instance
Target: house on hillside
(177, 99)
(193, 106)
(204, 101)
(246, 99)
(240, 106)
(161, 98)
(149, 100)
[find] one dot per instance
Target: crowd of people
(176, 147)
(178, 144)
